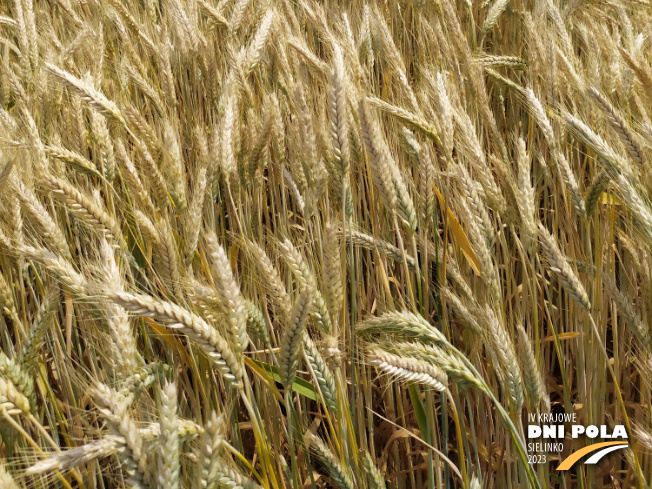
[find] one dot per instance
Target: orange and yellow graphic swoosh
(607, 447)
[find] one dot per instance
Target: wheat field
(323, 244)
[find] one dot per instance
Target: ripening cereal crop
(306, 244)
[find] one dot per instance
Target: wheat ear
(6, 479)
(339, 114)
(332, 266)
(402, 324)
(115, 410)
(335, 469)
(276, 287)
(127, 357)
(69, 459)
(321, 372)
(307, 279)
(537, 110)
(379, 157)
(289, 354)
(502, 348)
(228, 477)
(83, 206)
(169, 465)
(533, 380)
(38, 214)
(229, 291)
(374, 475)
(210, 448)
(176, 317)
(620, 125)
(525, 195)
(61, 268)
(562, 269)
(408, 369)
(627, 309)
(88, 93)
